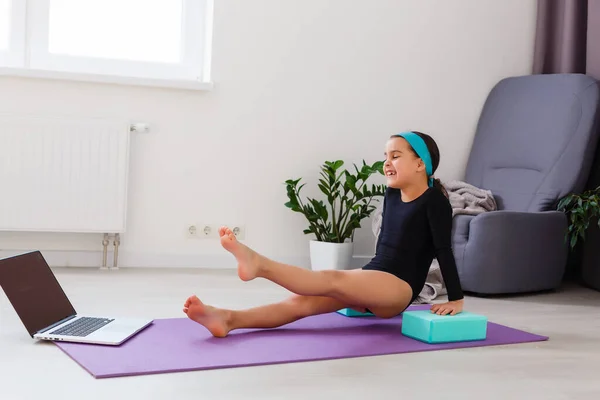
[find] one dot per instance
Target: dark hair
(434, 151)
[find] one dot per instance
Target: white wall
(297, 82)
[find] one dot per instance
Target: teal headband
(419, 146)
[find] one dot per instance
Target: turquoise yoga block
(348, 312)
(432, 328)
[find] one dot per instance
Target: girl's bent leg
(383, 293)
(220, 322)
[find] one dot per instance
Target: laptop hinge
(46, 329)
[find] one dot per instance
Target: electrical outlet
(239, 231)
(191, 231)
(202, 231)
(209, 231)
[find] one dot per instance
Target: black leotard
(412, 234)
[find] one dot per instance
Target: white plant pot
(325, 255)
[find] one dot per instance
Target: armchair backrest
(535, 140)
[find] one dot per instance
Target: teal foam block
(432, 328)
(348, 312)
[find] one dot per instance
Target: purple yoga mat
(179, 344)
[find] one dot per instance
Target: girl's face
(401, 167)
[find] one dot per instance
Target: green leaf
(293, 206)
(378, 166)
(351, 183)
(324, 189)
(293, 182)
(562, 203)
(320, 209)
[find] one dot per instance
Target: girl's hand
(451, 307)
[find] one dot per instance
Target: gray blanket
(468, 199)
(464, 199)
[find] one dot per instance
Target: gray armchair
(534, 144)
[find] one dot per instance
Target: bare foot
(248, 260)
(213, 319)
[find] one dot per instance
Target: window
(157, 40)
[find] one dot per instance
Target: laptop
(47, 313)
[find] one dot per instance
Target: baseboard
(94, 259)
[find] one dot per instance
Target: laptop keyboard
(83, 326)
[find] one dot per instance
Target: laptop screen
(34, 292)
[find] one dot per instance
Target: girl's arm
(439, 213)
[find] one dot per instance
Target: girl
(416, 227)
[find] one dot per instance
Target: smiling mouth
(389, 173)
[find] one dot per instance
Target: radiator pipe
(105, 243)
(117, 242)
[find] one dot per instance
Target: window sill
(108, 79)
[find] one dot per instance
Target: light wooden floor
(566, 367)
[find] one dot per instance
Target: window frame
(30, 56)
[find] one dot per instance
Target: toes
(224, 230)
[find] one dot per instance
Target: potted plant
(583, 213)
(349, 201)
(581, 209)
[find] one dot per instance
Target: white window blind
(150, 39)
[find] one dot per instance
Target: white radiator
(63, 174)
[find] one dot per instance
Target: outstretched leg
(220, 322)
(383, 293)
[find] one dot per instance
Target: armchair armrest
(513, 227)
(523, 251)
